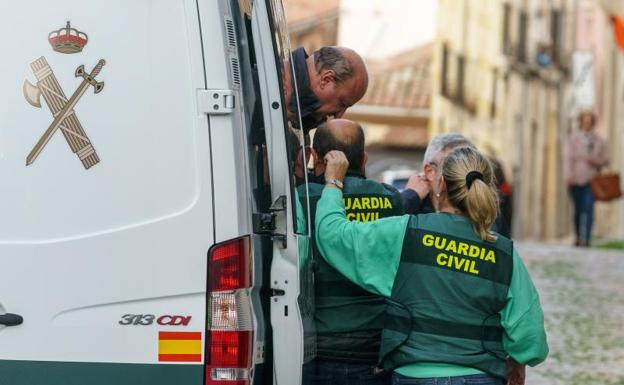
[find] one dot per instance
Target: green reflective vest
(349, 319)
(446, 297)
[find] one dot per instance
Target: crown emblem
(68, 39)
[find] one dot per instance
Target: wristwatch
(336, 183)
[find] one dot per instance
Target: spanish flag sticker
(179, 346)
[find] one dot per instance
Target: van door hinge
(264, 223)
(279, 205)
(215, 102)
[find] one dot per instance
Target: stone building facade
(502, 73)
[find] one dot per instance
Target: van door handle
(10, 319)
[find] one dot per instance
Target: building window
(444, 90)
(461, 68)
(555, 34)
(506, 29)
(522, 37)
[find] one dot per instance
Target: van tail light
(229, 334)
(229, 265)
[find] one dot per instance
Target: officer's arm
(523, 320)
(367, 253)
(411, 201)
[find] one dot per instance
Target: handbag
(606, 186)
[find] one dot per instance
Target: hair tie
(471, 176)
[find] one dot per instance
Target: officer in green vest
(460, 300)
(348, 319)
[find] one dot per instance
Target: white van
(148, 223)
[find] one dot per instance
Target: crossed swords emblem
(62, 109)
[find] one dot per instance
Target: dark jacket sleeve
(411, 202)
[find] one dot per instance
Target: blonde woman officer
(460, 300)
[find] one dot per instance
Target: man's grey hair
(442, 143)
(331, 58)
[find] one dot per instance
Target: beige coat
(586, 154)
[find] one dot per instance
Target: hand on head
(336, 165)
(419, 184)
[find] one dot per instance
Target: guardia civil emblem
(65, 40)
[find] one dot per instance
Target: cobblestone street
(581, 292)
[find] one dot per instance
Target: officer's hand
(419, 184)
(336, 165)
(516, 373)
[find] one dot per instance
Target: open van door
(292, 304)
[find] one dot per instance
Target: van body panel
(84, 250)
(99, 259)
(82, 373)
(140, 167)
(231, 187)
(227, 133)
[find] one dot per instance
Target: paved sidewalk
(582, 293)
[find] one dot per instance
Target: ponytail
(469, 181)
(482, 209)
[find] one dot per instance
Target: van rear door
(292, 305)
(105, 232)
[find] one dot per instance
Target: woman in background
(586, 155)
